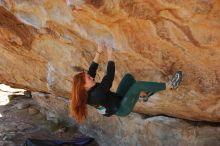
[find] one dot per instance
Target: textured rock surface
(40, 42)
(135, 129)
(18, 125)
(20, 66)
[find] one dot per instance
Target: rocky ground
(21, 119)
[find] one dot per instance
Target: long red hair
(78, 105)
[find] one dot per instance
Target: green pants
(129, 89)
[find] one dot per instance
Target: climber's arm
(94, 65)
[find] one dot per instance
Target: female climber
(86, 91)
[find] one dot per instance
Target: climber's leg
(132, 95)
(127, 81)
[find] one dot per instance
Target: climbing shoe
(145, 98)
(176, 79)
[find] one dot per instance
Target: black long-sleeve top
(100, 95)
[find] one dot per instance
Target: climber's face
(89, 81)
